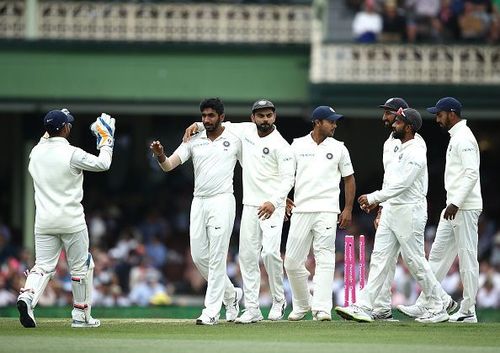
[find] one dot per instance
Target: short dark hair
(214, 103)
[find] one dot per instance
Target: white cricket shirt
(406, 179)
(318, 172)
(57, 171)
(461, 174)
(391, 149)
(213, 162)
(268, 165)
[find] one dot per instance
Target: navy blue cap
(56, 119)
(411, 117)
(325, 112)
(394, 104)
(446, 104)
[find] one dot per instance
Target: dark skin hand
(450, 212)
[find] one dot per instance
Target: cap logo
(329, 155)
(262, 103)
(265, 150)
(401, 112)
(332, 110)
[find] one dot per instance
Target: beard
(398, 134)
(212, 127)
(265, 127)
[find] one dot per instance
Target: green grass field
(181, 335)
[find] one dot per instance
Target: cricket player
(402, 224)
(321, 161)
(268, 176)
(457, 229)
(57, 171)
(214, 153)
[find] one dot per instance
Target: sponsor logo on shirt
(306, 154)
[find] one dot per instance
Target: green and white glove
(104, 130)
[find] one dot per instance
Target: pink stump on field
(349, 271)
(362, 262)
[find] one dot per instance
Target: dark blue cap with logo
(411, 117)
(446, 104)
(393, 104)
(56, 119)
(325, 112)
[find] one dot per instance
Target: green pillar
(31, 19)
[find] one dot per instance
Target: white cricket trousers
(319, 230)
(383, 302)
(457, 237)
(212, 221)
(403, 227)
(48, 249)
(261, 238)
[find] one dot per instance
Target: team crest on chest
(396, 149)
(226, 143)
(329, 156)
(265, 150)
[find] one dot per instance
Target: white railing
(413, 64)
(12, 19)
(174, 22)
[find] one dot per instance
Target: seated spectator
(448, 20)
(367, 24)
(476, 20)
(394, 23)
(422, 21)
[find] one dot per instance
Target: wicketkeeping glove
(104, 130)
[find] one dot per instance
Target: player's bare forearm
(350, 191)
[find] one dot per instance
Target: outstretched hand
(157, 148)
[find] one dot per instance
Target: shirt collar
(457, 127)
(58, 139)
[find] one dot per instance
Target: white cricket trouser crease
(383, 301)
(211, 225)
(457, 237)
(404, 225)
(319, 230)
(261, 237)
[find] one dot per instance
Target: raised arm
(166, 164)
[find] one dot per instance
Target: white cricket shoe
(353, 312)
(277, 310)
(321, 316)
(451, 306)
(233, 309)
(90, 323)
(383, 315)
(204, 319)
(463, 317)
(26, 315)
(433, 318)
(414, 311)
(250, 316)
(297, 315)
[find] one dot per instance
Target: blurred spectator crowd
(432, 21)
(145, 260)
